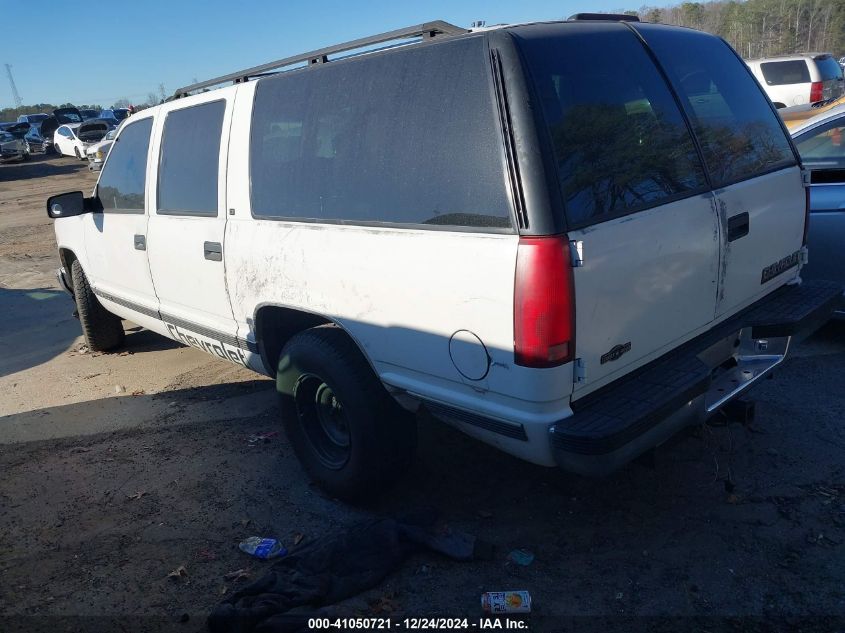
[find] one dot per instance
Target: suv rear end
(797, 79)
(675, 204)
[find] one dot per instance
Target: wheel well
(275, 326)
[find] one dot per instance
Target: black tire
(103, 330)
(76, 153)
(351, 437)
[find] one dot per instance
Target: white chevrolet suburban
(570, 240)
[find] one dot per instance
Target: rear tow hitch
(740, 411)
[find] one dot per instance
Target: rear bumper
(616, 424)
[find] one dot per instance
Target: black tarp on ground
(333, 569)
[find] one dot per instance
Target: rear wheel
(102, 329)
(348, 433)
(76, 151)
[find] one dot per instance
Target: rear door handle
(213, 251)
(738, 226)
(140, 243)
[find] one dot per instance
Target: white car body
(97, 153)
(432, 308)
(792, 80)
(71, 139)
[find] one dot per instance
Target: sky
(133, 46)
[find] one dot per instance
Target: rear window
(740, 134)
(190, 159)
(620, 141)
(407, 137)
(829, 68)
(787, 72)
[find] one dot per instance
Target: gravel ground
(119, 469)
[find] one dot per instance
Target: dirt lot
(117, 469)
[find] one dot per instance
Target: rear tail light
(544, 302)
(816, 91)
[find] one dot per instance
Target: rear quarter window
(739, 133)
(190, 159)
(619, 140)
(406, 137)
(786, 72)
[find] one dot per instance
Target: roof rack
(320, 56)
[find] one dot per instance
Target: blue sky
(143, 43)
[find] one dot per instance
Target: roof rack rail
(614, 17)
(319, 56)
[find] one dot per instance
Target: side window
(794, 71)
(407, 137)
(121, 186)
(620, 142)
(190, 160)
(739, 133)
(63, 131)
(824, 146)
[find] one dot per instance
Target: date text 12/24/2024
(417, 624)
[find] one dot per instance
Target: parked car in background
(821, 143)
(13, 145)
(33, 119)
(89, 114)
(75, 138)
(67, 115)
(36, 142)
(795, 116)
(795, 79)
(116, 115)
(98, 152)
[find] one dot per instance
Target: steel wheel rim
(323, 420)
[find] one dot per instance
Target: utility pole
(15, 95)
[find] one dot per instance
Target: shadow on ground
(41, 166)
(39, 325)
(729, 521)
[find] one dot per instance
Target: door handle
(140, 243)
(738, 226)
(213, 251)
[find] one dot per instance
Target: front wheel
(103, 330)
(76, 151)
(348, 433)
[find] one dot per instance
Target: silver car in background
(821, 143)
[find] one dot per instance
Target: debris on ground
(521, 557)
(119, 389)
(178, 573)
(238, 575)
(297, 537)
(263, 548)
(335, 568)
(138, 392)
(506, 602)
(137, 495)
(262, 437)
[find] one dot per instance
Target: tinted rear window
(740, 134)
(829, 68)
(406, 137)
(190, 159)
(786, 72)
(619, 139)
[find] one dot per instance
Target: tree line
(762, 28)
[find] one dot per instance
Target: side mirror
(66, 205)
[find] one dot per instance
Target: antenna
(15, 95)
